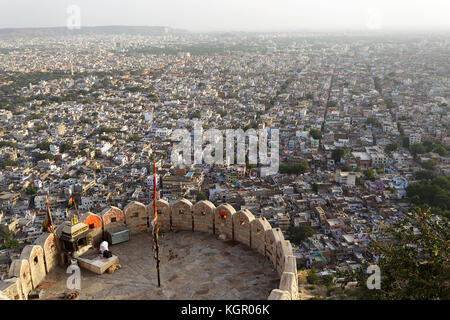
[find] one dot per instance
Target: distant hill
(103, 30)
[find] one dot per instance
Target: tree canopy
(417, 148)
(294, 168)
(201, 196)
(6, 238)
(413, 259)
(391, 147)
(300, 233)
(434, 193)
(369, 174)
(337, 154)
(316, 133)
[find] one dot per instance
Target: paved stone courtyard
(193, 266)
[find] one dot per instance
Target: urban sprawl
(363, 122)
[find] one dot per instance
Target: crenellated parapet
(95, 224)
(164, 214)
(47, 242)
(181, 212)
(242, 226)
(203, 216)
(21, 269)
(136, 218)
(273, 236)
(34, 254)
(223, 220)
(259, 228)
(112, 217)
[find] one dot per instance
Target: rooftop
(193, 266)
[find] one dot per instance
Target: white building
(415, 138)
(347, 178)
(39, 202)
(86, 203)
(5, 115)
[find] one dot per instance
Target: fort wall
(242, 226)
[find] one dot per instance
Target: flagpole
(50, 222)
(75, 205)
(155, 237)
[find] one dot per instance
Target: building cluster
(86, 116)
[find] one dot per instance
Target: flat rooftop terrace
(193, 266)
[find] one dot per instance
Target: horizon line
(405, 29)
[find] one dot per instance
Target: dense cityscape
(363, 125)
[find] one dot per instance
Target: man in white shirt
(103, 247)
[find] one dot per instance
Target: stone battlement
(242, 226)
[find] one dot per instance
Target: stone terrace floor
(194, 266)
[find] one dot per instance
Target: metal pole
(156, 222)
(76, 209)
(157, 268)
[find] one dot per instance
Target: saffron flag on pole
(71, 203)
(49, 214)
(49, 222)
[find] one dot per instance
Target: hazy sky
(227, 15)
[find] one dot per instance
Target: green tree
(197, 114)
(441, 150)
(312, 277)
(377, 84)
(173, 116)
(389, 103)
(6, 238)
(44, 156)
(134, 137)
(201, 196)
(405, 142)
(106, 129)
(391, 147)
(309, 96)
(85, 120)
(424, 175)
(372, 121)
(33, 116)
(30, 190)
(346, 168)
(328, 280)
(434, 193)
(66, 146)
(337, 154)
(315, 187)
(11, 144)
(428, 164)
(332, 104)
(294, 168)
(7, 163)
(414, 258)
(315, 133)
(222, 113)
(300, 233)
(44, 145)
(417, 148)
(369, 174)
(428, 145)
